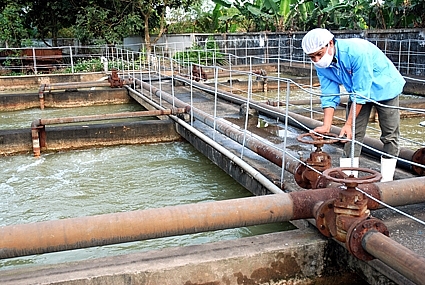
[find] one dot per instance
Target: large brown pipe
(82, 232)
(408, 263)
(66, 234)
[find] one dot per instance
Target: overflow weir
(245, 138)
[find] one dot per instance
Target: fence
(408, 55)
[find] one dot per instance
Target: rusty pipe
(38, 125)
(75, 85)
(395, 193)
(266, 151)
(62, 86)
(35, 137)
(123, 227)
(295, 119)
(399, 192)
(401, 259)
(123, 115)
(256, 145)
(41, 95)
(255, 174)
(82, 232)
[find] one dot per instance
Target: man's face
(316, 56)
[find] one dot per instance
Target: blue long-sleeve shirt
(362, 68)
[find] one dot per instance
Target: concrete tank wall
(94, 135)
(33, 82)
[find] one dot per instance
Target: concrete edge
(296, 255)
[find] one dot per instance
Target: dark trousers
(389, 122)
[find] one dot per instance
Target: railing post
(72, 59)
(34, 61)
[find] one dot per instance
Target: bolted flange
(419, 157)
(326, 218)
(355, 236)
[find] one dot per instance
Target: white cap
(315, 40)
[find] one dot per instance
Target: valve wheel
(327, 138)
(335, 174)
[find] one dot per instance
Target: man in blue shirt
(369, 77)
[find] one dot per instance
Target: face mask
(325, 61)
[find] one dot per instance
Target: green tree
(49, 17)
(152, 14)
(12, 25)
(106, 22)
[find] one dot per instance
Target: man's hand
(346, 131)
(327, 121)
(322, 129)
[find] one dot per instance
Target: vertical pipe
(191, 96)
(41, 95)
(71, 59)
(140, 70)
(288, 92)
(215, 98)
(353, 131)
(35, 138)
(291, 50)
(172, 80)
(247, 107)
(236, 52)
(401, 259)
(385, 48)
(133, 65)
(278, 81)
(122, 59)
(408, 58)
(150, 74)
(157, 62)
(34, 61)
(230, 74)
(127, 60)
(399, 57)
(117, 57)
(246, 50)
(311, 89)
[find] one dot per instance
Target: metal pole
(71, 59)
(34, 61)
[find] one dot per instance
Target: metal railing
(407, 55)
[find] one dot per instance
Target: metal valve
(347, 217)
(308, 173)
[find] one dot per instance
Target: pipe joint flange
(356, 233)
(326, 219)
(419, 157)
